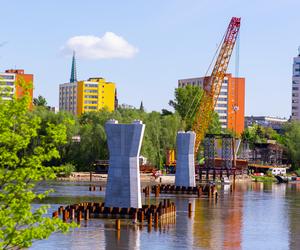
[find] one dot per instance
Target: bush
(68, 168)
(297, 172)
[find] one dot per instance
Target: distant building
(296, 88)
(275, 123)
(126, 106)
(10, 81)
(231, 101)
(93, 94)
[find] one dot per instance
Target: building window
(91, 85)
(90, 107)
(222, 99)
(295, 108)
(91, 91)
(295, 88)
(91, 96)
(222, 105)
(7, 77)
(90, 102)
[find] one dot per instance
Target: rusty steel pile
(164, 212)
(205, 189)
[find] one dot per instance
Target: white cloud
(93, 47)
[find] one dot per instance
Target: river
(253, 216)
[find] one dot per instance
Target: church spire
(73, 77)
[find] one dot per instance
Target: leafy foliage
(40, 101)
(186, 102)
(25, 147)
(259, 134)
(292, 142)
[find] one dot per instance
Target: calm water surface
(254, 216)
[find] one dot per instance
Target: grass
(263, 178)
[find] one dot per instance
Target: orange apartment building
(231, 101)
(11, 77)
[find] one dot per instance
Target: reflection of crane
(212, 85)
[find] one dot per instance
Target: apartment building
(296, 88)
(230, 104)
(10, 82)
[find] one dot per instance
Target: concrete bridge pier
(185, 162)
(123, 184)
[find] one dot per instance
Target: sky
(146, 46)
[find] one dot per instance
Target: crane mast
(212, 84)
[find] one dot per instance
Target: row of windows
(295, 101)
(295, 95)
(91, 91)
(295, 88)
(223, 93)
(67, 103)
(295, 108)
(224, 117)
(91, 85)
(90, 107)
(90, 102)
(7, 83)
(91, 96)
(222, 99)
(222, 111)
(8, 77)
(295, 82)
(221, 105)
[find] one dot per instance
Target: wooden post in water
(190, 210)
(156, 219)
(118, 224)
(87, 214)
(72, 213)
(150, 222)
(79, 216)
(157, 191)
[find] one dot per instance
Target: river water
(253, 216)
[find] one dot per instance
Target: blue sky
(173, 39)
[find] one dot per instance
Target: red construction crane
(212, 84)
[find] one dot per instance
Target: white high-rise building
(296, 88)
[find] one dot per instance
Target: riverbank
(145, 178)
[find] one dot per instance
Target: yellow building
(95, 94)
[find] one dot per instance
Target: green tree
(186, 102)
(24, 149)
(292, 142)
(40, 101)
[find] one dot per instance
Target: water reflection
(253, 216)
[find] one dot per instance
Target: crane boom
(212, 84)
